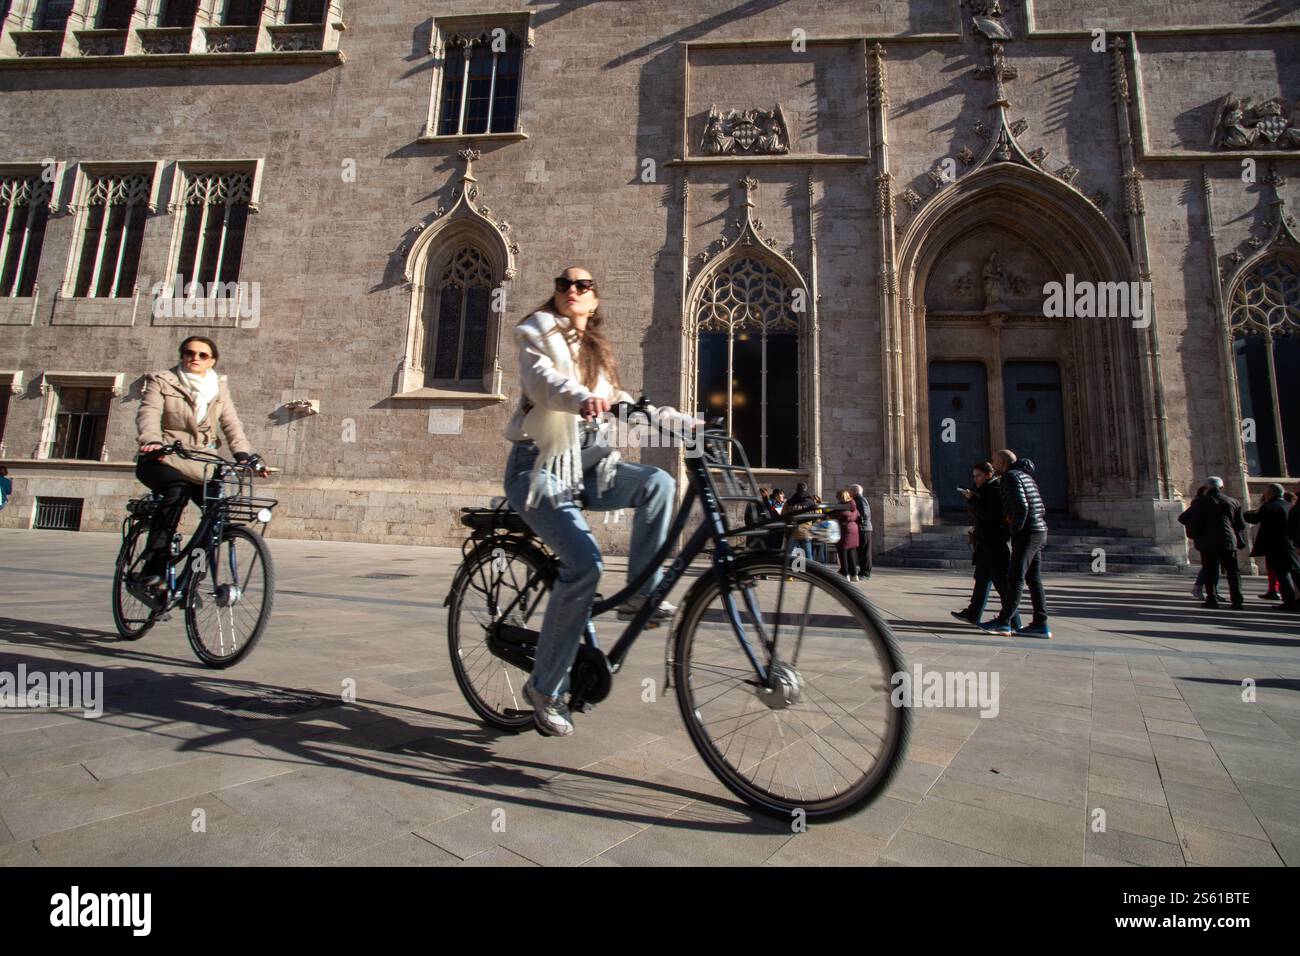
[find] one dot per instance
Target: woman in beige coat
(188, 403)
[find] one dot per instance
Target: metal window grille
(58, 514)
(179, 13)
(53, 14)
(242, 13)
(115, 14)
(306, 11)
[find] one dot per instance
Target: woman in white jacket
(569, 374)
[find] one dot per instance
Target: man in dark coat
(864, 530)
(992, 543)
(1275, 543)
(1215, 523)
(1026, 517)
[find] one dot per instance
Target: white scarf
(202, 388)
(557, 435)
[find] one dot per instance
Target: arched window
(749, 360)
(456, 314)
(1265, 322)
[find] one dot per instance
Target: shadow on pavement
(385, 740)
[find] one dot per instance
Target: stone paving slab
(1135, 707)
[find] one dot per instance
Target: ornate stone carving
(1069, 172)
(879, 87)
(1100, 198)
(986, 18)
(1133, 202)
(981, 129)
(102, 44)
(1000, 71)
(39, 44)
(911, 197)
(231, 40)
(885, 194)
(1270, 125)
(938, 177)
(750, 132)
(966, 155)
(1018, 127)
(1119, 69)
(1039, 156)
(310, 37)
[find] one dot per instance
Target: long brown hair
(596, 355)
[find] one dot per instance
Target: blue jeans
(650, 490)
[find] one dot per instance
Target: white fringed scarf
(557, 434)
(202, 388)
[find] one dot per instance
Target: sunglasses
(582, 285)
(190, 353)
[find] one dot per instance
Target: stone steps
(1069, 550)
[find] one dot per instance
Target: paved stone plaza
(1134, 707)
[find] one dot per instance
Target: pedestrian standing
(6, 487)
(864, 530)
(848, 543)
(1026, 517)
(991, 553)
(1215, 523)
(1275, 545)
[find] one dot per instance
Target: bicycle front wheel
(131, 616)
(821, 737)
(228, 600)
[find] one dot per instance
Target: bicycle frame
(203, 544)
(712, 529)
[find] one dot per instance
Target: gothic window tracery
(1264, 317)
(456, 316)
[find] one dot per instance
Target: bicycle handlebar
(178, 449)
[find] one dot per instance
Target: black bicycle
(782, 669)
(224, 576)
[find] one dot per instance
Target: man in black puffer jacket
(1215, 523)
(1022, 509)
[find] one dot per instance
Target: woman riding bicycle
(568, 372)
(188, 404)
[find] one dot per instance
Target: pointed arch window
(457, 312)
(749, 360)
(1264, 311)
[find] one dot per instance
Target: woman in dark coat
(1273, 543)
(849, 540)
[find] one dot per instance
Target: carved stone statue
(716, 142)
(992, 278)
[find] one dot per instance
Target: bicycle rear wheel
(228, 601)
(131, 616)
(823, 738)
(500, 582)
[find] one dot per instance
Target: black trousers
(176, 491)
(1211, 562)
(990, 572)
(864, 553)
(848, 560)
(1288, 582)
(1026, 567)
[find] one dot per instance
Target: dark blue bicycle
(782, 668)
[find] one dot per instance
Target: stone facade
(871, 156)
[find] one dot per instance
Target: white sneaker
(629, 608)
(549, 713)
